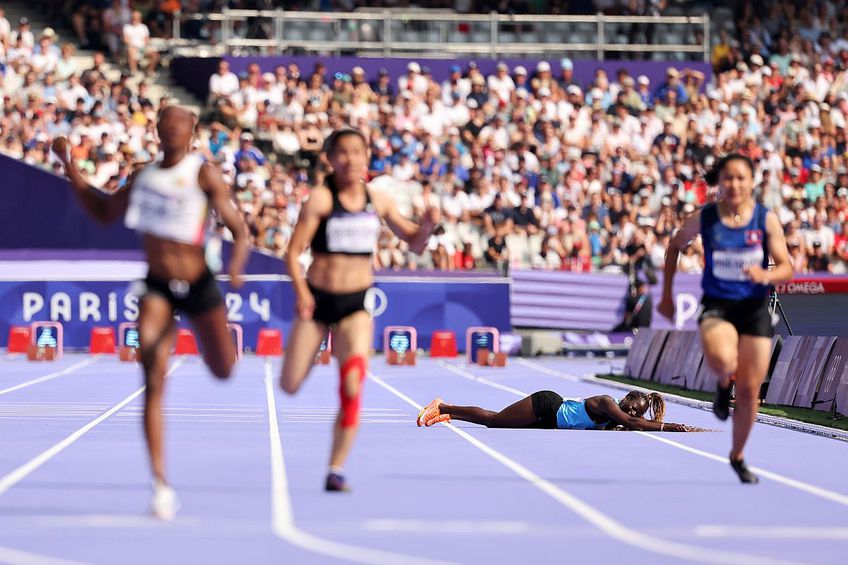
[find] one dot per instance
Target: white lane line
(282, 509)
(17, 557)
(606, 524)
(814, 490)
(49, 377)
(786, 533)
(19, 474)
(466, 375)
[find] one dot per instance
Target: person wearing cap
(382, 86)
(814, 187)
(413, 81)
(672, 83)
(478, 92)
(566, 77)
(501, 85)
(543, 78)
(24, 33)
(455, 85)
(248, 151)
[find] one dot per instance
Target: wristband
(662, 426)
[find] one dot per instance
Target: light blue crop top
(572, 415)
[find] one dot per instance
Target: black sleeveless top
(345, 232)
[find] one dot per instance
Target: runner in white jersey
(168, 202)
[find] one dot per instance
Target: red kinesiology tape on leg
(355, 365)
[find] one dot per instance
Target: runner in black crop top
(346, 232)
(341, 222)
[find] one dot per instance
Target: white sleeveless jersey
(169, 203)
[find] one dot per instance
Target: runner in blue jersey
(548, 410)
(738, 236)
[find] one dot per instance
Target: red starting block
(128, 338)
(46, 341)
(238, 339)
(186, 343)
(269, 342)
(400, 344)
(486, 358)
(443, 344)
(325, 352)
(19, 339)
(102, 340)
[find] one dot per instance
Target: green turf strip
(806, 415)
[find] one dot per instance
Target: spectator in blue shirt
(246, 149)
(672, 82)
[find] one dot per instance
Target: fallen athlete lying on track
(548, 410)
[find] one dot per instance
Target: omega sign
(805, 287)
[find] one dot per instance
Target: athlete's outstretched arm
(691, 227)
(779, 253)
(412, 233)
(219, 196)
(610, 409)
(105, 208)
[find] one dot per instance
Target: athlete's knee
(724, 362)
(350, 389)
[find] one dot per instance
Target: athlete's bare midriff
(174, 260)
(340, 274)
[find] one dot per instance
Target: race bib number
(730, 264)
(352, 234)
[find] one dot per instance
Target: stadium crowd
(530, 167)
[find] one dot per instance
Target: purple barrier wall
(591, 301)
(193, 72)
(40, 212)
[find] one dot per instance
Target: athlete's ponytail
(656, 405)
(712, 175)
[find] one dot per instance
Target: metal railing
(393, 33)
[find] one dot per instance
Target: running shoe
(721, 402)
(165, 503)
(336, 483)
(428, 412)
(437, 419)
(744, 473)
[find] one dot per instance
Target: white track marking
(283, 512)
(17, 557)
(606, 524)
(466, 375)
(786, 533)
(67, 370)
(820, 492)
(19, 474)
(793, 483)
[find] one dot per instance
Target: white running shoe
(165, 503)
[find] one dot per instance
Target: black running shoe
(721, 402)
(744, 473)
(336, 483)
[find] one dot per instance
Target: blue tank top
(572, 415)
(728, 251)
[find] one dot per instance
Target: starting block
(481, 338)
(46, 341)
(443, 344)
(128, 338)
(186, 343)
(238, 339)
(102, 340)
(325, 352)
(19, 339)
(269, 342)
(486, 358)
(400, 344)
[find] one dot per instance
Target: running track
(249, 467)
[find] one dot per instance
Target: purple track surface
(74, 485)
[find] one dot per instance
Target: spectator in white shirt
(136, 37)
(501, 85)
(222, 84)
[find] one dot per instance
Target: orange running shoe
(438, 419)
(428, 412)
